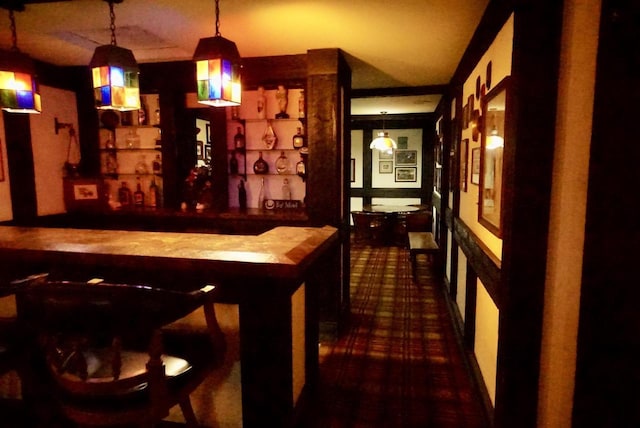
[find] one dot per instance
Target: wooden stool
(421, 243)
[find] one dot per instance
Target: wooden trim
(399, 91)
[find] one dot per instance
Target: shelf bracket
(59, 125)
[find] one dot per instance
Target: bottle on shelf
(299, 140)
(233, 163)
(239, 141)
(242, 196)
(124, 195)
(286, 190)
(156, 113)
(260, 166)
(269, 137)
(143, 112)
(261, 103)
(110, 163)
(156, 165)
(141, 165)
(261, 195)
(301, 168)
(282, 164)
(301, 105)
(138, 195)
(235, 112)
(133, 139)
(154, 194)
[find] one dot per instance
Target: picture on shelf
(385, 167)
(406, 157)
(207, 152)
(199, 150)
(406, 174)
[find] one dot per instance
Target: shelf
(130, 174)
(256, 120)
(126, 149)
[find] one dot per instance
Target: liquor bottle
(239, 140)
(282, 164)
(261, 195)
(143, 115)
(124, 195)
(260, 166)
(301, 105)
(233, 163)
(138, 195)
(299, 140)
(242, 196)
(301, 169)
(133, 139)
(269, 137)
(141, 166)
(157, 165)
(286, 190)
(154, 194)
(156, 113)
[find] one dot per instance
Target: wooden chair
(418, 221)
(370, 227)
(102, 348)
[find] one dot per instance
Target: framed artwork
(406, 174)
(385, 155)
(403, 143)
(208, 133)
(494, 139)
(385, 167)
(207, 152)
(475, 165)
(353, 170)
(1, 163)
(464, 158)
(406, 157)
(199, 150)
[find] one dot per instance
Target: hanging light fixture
(494, 140)
(19, 91)
(218, 69)
(115, 73)
(383, 142)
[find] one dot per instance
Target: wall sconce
(115, 73)
(383, 142)
(218, 69)
(19, 92)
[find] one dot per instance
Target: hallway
(399, 364)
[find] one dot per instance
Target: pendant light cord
(112, 16)
(14, 37)
(218, 18)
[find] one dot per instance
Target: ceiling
(388, 44)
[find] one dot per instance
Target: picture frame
(385, 155)
(200, 150)
(1, 163)
(207, 152)
(353, 170)
(406, 157)
(494, 140)
(406, 174)
(385, 167)
(464, 158)
(475, 166)
(403, 142)
(208, 133)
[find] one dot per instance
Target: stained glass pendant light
(383, 142)
(115, 73)
(19, 91)
(218, 69)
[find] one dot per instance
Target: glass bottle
(282, 164)
(299, 140)
(286, 190)
(157, 165)
(239, 140)
(141, 166)
(138, 195)
(301, 105)
(124, 195)
(133, 139)
(269, 137)
(156, 114)
(242, 196)
(233, 163)
(260, 166)
(261, 195)
(301, 169)
(154, 193)
(143, 115)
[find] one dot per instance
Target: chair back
(418, 221)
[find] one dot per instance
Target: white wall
(387, 180)
(486, 339)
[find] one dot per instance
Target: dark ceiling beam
(401, 91)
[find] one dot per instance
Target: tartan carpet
(400, 363)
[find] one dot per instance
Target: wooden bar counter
(273, 277)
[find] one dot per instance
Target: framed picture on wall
(475, 165)
(464, 157)
(208, 133)
(207, 152)
(199, 150)
(385, 155)
(385, 167)
(403, 143)
(406, 157)
(406, 174)
(353, 170)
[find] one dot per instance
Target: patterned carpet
(399, 365)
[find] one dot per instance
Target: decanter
(260, 166)
(299, 140)
(282, 164)
(269, 137)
